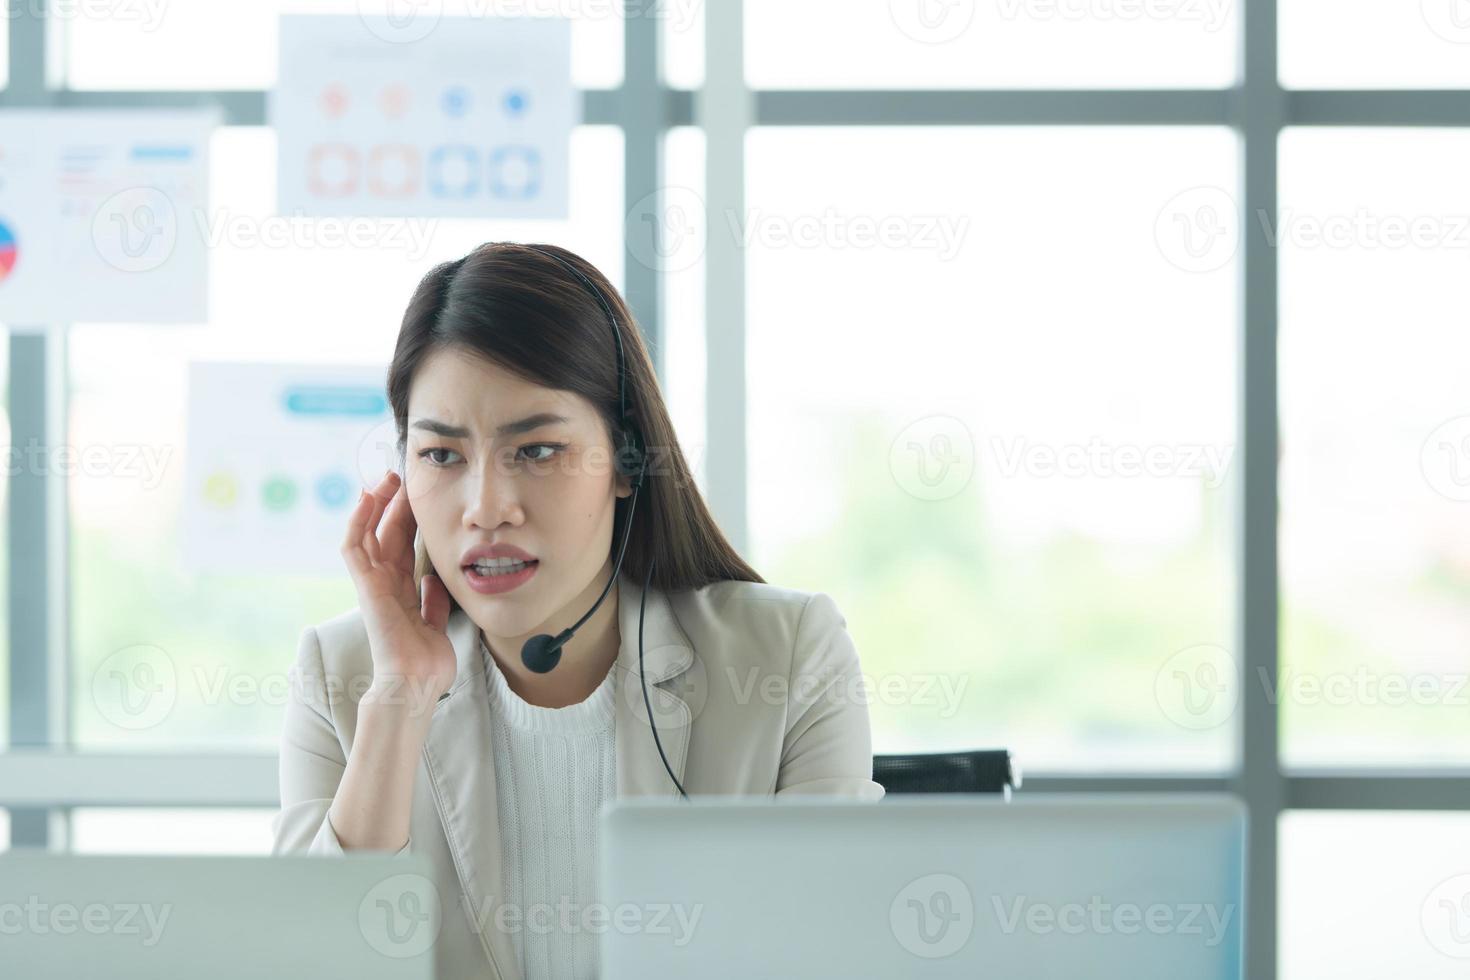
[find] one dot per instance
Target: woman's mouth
(495, 577)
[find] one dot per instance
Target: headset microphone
(542, 652)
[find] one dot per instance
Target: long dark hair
(528, 314)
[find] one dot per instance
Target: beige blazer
(755, 690)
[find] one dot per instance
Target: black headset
(542, 652)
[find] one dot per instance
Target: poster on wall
(463, 117)
(103, 215)
(276, 457)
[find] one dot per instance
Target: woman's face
(474, 477)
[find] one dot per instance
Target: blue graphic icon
(454, 171)
(334, 400)
(516, 102)
(332, 490)
(515, 172)
(165, 153)
(456, 102)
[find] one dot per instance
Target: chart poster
(464, 117)
(276, 457)
(103, 215)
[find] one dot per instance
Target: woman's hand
(413, 659)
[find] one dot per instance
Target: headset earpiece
(628, 455)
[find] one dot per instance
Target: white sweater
(553, 769)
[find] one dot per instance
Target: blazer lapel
(461, 769)
(667, 658)
(460, 762)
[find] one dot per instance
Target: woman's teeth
(499, 567)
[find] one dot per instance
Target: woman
(441, 716)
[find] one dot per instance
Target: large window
(142, 830)
(992, 413)
(13, 461)
(1008, 43)
(1375, 480)
(1389, 44)
(1373, 894)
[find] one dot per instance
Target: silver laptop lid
(924, 886)
(131, 917)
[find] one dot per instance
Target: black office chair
(979, 771)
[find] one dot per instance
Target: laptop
(942, 885)
(133, 917)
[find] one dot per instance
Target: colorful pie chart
(8, 251)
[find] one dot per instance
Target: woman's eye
(552, 448)
(427, 454)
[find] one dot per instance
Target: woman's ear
(622, 485)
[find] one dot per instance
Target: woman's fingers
(396, 538)
(351, 549)
(381, 494)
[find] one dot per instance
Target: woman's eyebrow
(526, 424)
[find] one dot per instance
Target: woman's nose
(494, 499)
